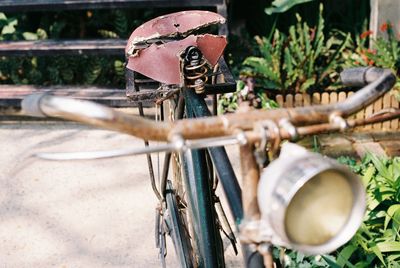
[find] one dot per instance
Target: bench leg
(222, 10)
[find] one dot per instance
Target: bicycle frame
(228, 179)
(199, 184)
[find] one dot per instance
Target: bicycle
(264, 210)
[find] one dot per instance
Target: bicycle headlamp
(309, 202)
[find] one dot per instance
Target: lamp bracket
(270, 135)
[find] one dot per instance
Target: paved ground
(73, 214)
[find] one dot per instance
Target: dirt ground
(74, 214)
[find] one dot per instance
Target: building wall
(383, 11)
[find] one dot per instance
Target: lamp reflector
(320, 209)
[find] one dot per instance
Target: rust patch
(162, 63)
(251, 176)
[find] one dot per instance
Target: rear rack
(143, 89)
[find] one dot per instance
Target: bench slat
(39, 5)
(11, 95)
(64, 47)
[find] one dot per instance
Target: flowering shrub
(383, 52)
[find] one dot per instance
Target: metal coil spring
(195, 71)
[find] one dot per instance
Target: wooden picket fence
(388, 101)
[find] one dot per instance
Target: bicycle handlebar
(361, 76)
(42, 105)
(377, 81)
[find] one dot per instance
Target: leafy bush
(245, 92)
(377, 242)
(305, 59)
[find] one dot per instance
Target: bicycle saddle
(154, 48)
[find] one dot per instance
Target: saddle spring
(195, 69)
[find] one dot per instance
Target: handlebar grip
(31, 105)
(360, 76)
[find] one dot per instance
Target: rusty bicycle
(288, 196)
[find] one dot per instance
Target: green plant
(245, 92)
(8, 27)
(280, 6)
(305, 59)
(228, 103)
(377, 243)
(10, 31)
(294, 259)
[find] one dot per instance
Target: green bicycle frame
(208, 240)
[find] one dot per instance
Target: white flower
(244, 91)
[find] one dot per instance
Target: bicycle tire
(177, 229)
(195, 189)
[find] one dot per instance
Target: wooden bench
(11, 95)
(40, 5)
(62, 47)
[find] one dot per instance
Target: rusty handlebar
(376, 82)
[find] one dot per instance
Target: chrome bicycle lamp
(309, 202)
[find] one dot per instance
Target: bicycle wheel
(171, 219)
(177, 228)
(193, 187)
